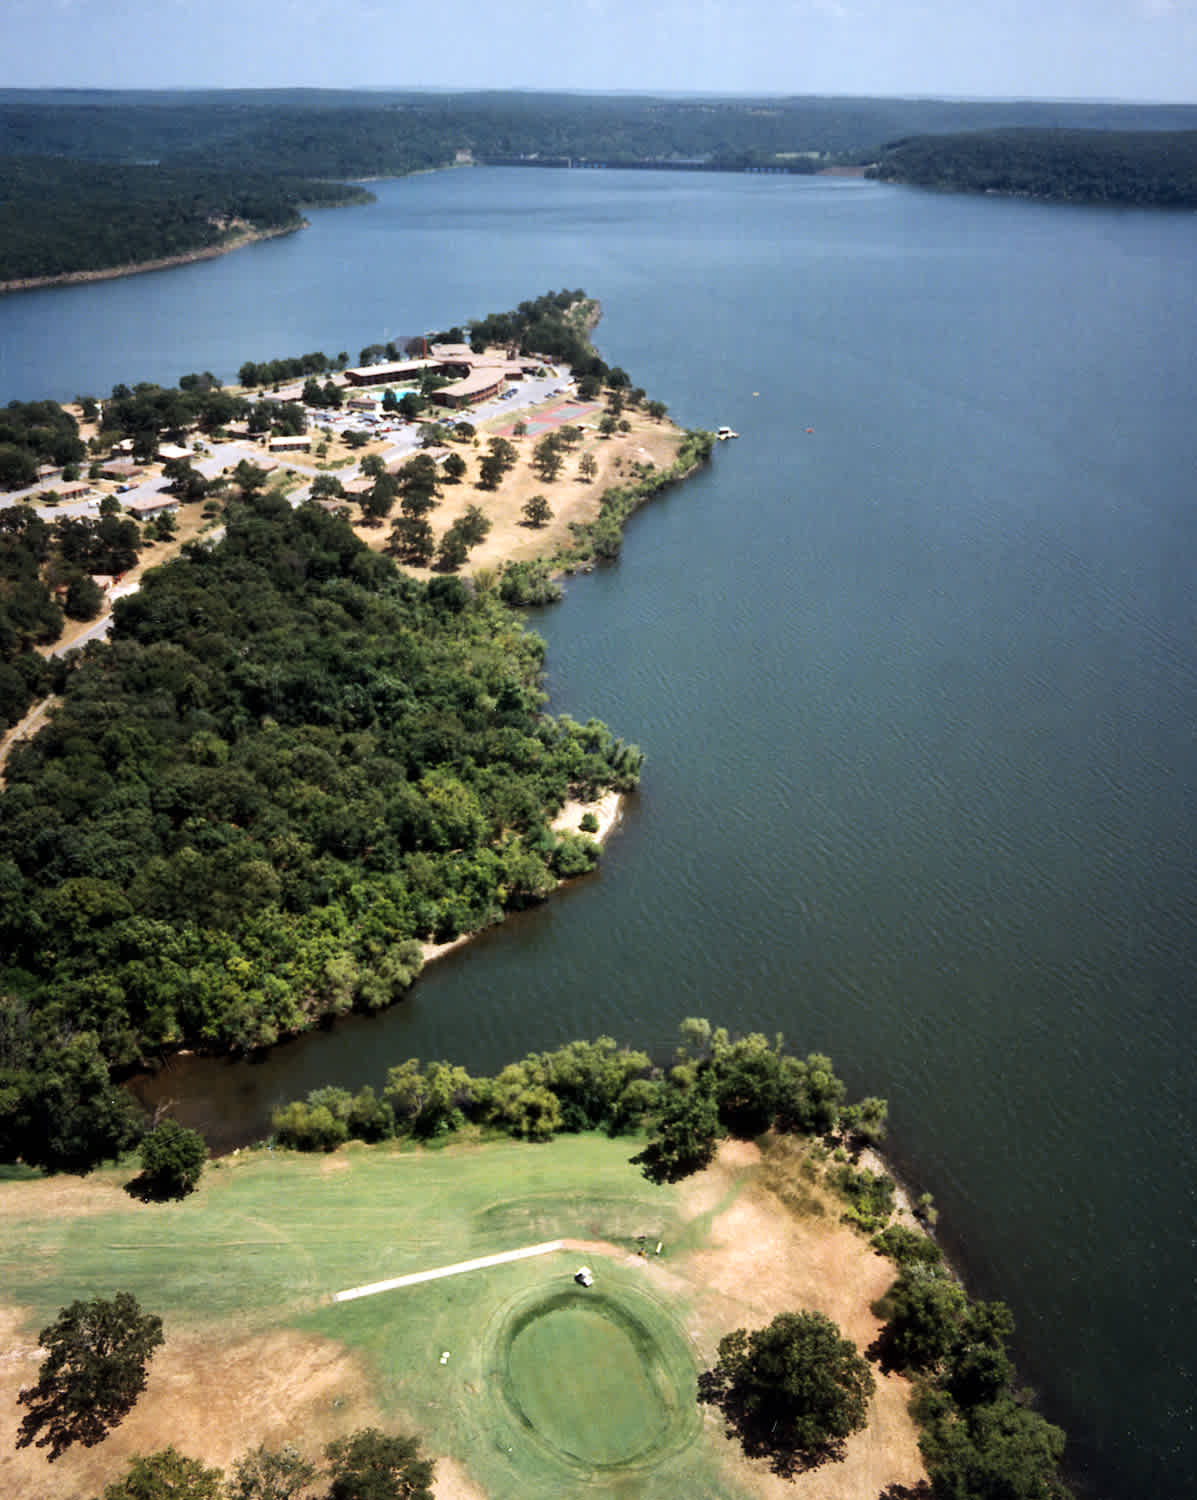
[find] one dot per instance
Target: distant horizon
(1101, 51)
(898, 96)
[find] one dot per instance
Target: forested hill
(180, 172)
(59, 217)
(331, 133)
(1155, 168)
(289, 766)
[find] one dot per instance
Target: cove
(916, 688)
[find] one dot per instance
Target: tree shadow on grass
(147, 1189)
(761, 1434)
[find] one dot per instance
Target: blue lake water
(917, 691)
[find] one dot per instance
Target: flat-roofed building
(152, 505)
(292, 443)
(479, 385)
(396, 369)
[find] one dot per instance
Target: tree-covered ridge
(290, 765)
(334, 132)
(1084, 166)
(173, 173)
(59, 216)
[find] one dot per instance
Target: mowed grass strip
(270, 1234)
(269, 1237)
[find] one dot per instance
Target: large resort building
(479, 376)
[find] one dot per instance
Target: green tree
(412, 540)
(547, 458)
(505, 452)
(327, 487)
(379, 500)
(166, 1475)
(431, 1101)
(793, 1392)
(864, 1123)
(249, 478)
(687, 1131)
(490, 472)
(270, 1474)
(372, 1465)
(84, 598)
(71, 1116)
(454, 468)
(537, 511)
(453, 550)
(1001, 1451)
(172, 1160)
(474, 525)
(587, 466)
(926, 1311)
(93, 1373)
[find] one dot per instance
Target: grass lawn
(548, 1391)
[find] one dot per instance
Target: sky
(1104, 49)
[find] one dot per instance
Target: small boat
(723, 433)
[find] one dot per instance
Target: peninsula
(317, 748)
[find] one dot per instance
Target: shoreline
(163, 263)
(608, 809)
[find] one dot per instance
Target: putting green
(600, 1379)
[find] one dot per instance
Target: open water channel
(917, 691)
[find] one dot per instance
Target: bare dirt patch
(283, 1387)
(570, 498)
(451, 1482)
(761, 1260)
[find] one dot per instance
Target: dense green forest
(290, 765)
(1084, 166)
(330, 133)
(61, 216)
(170, 171)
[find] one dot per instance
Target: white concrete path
(456, 1270)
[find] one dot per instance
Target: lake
(917, 690)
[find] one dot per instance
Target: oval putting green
(600, 1378)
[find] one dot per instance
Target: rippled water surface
(917, 692)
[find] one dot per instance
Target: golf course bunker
(601, 1379)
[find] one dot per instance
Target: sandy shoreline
(607, 809)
